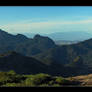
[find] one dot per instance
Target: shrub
(61, 81)
(11, 72)
(10, 85)
(44, 85)
(51, 82)
(56, 85)
(4, 78)
(37, 79)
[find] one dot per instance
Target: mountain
(70, 36)
(28, 65)
(21, 64)
(6, 38)
(41, 54)
(29, 35)
(23, 44)
(35, 46)
(78, 56)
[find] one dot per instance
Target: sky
(45, 19)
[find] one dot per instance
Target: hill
(24, 45)
(76, 56)
(35, 46)
(20, 64)
(28, 65)
(66, 60)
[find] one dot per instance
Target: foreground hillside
(12, 79)
(82, 80)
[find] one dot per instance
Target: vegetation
(11, 79)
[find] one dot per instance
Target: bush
(44, 85)
(37, 79)
(11, 72)
(11, 79)
(10, 85)
(29, 82)
(4, 78)
(55, 85)
(51, 82)
(61, 81)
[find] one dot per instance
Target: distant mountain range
(66, 36)
(57, 38)
(41, 54)
(70, 36)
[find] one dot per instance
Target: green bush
(11, 79)
(10, 85)
(29, 82)
(61, 81)
(51, 82)
(11, 72)
(37, 79)
(4, 78)
(44, 85)
(56, 85)
(14, 85)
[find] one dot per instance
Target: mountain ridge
(66, 60)
(19, 43)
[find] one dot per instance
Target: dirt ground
(82, 80)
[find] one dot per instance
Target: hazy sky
(45, 19)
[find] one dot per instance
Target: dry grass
(83, 80)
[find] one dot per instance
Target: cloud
(42, 26)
